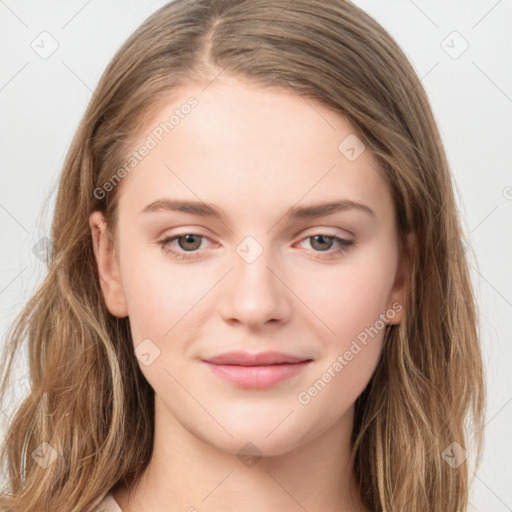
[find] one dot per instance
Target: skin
(254, 152)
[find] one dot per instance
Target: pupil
(322, 239)
(189, 239)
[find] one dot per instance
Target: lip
(256, 371)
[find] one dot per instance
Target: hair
(88, 398)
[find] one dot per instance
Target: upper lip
(259, 359)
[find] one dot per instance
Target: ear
(109, 276)
(398, 293)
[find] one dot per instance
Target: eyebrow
(303, 212)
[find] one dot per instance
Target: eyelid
(174, 236)
(344, 243)
(308, 233)
(335, 232)
(166, 243)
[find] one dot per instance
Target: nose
(254, 292)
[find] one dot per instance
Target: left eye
(319, 243)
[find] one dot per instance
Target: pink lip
(256, 371)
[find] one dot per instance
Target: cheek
(349, 297)
(350, 302)
(158, 294)
(155, 298)
(345, 298)
(163, 302)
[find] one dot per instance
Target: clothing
(109, 504)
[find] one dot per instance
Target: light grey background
(42, 100)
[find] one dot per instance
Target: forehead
(253, 150)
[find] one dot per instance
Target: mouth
(256, 371)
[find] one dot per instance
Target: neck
(187, 474)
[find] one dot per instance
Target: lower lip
(257, 377)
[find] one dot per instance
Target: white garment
(109, 504)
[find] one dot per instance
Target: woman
(257, 369)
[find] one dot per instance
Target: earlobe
(108, 271)
(397, 296)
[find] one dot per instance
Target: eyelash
(166, 246)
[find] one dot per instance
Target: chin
(254, 444)
(267, 434)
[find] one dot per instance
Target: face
(223, 247)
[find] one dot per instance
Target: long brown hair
(88, 399)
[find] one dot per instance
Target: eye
(324, 243)
(187, 243)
